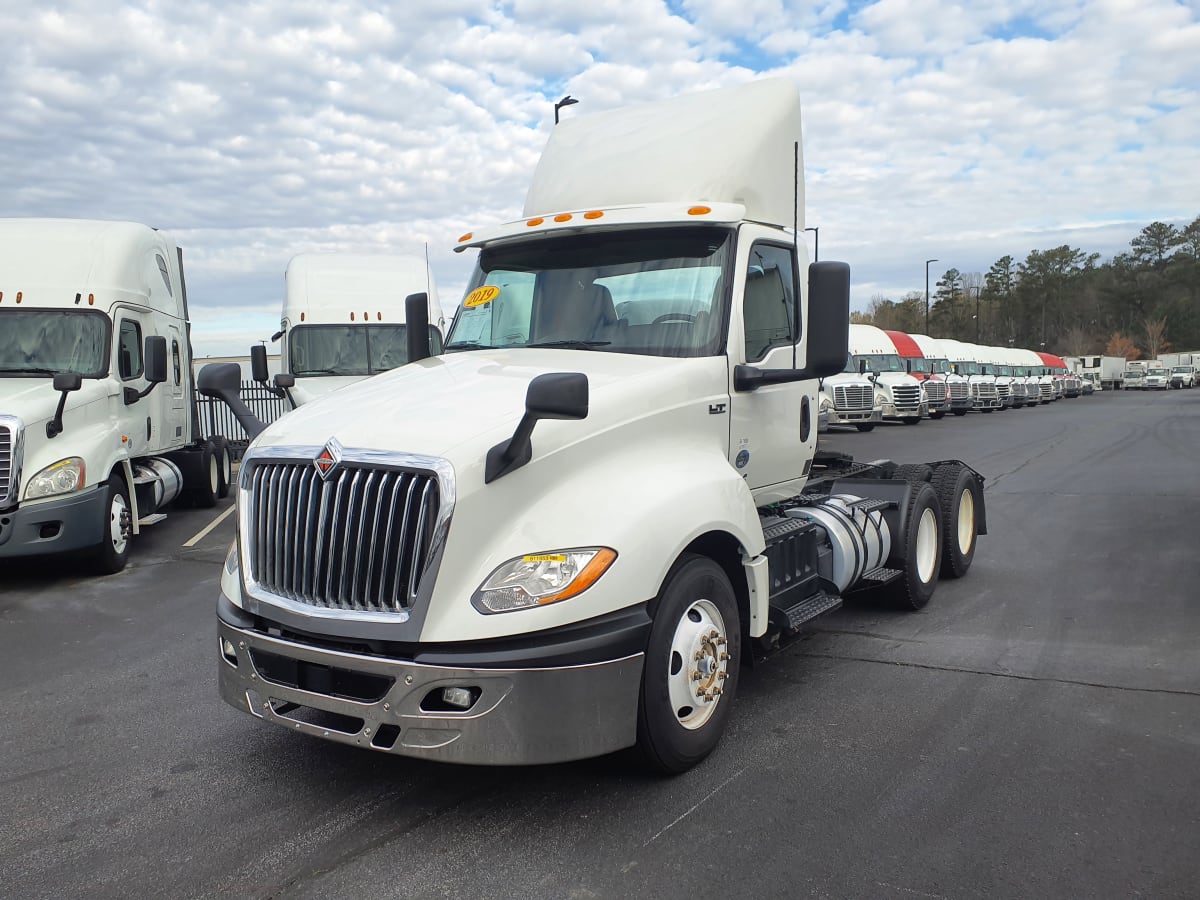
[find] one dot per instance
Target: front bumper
(986, 403)
(892, 411)
(854, 416)
(521, 716)
(74, 522)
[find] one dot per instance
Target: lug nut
(699, 655)
(724, 656)
(722, 675)
(696, 676)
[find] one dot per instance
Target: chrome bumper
(849, 416)
(519, 717)
(892, 411)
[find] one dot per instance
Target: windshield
(1184, 370)
(919, 364)
(1135, 373)
(1157, 372)
(350, 349)
(654, 293)
(965, 367)
(48, 341)
(939, 366)
(877, 362)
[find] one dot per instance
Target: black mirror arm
(133, 395)
(55, 426)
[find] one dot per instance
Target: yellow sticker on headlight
(545, 557)
(481, 296)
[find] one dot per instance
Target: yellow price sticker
(481, 296)
(546, 557)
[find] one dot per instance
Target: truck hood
(314, 387)
(34, 400)
(459, 405)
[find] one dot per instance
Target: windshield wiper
(469, 345)
(28, 370)
(316, 372)
(571, 344)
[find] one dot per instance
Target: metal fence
(216, 418)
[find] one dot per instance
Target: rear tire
(960, 498)
(922, 550)
(224, 466)
(113, 553)
(695, 625)
(865, 426)
(208, 484)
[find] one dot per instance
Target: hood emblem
(327, 460)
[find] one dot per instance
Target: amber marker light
(563, 217)
(351, 317)
(536, 220)
(465, 237)
(301, 317)
(594, 214)
(91, 299)
(699, 211)
(19, 295)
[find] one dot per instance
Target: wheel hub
(698, 664)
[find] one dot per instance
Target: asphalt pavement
(1035, 732)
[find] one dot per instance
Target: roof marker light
(594, 214)
(301, 317)
(379, 316)
(78, 297)
(465, 237)
(1, 296)
(699, 211)
(91, 299)
(351, 317)
(536, 220)
(18, 296)
(563, 217)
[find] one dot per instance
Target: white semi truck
(99, 428)
(898, 394)
(964, 360)
(565, 534)
(958, 387)
(344, 320)
(849, 398)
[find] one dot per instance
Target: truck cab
(344, 318)
(564, 534)
(957, 386)
(99, 429)
(964, 360)
(1183, 376)
(931, 373)
(898, 394)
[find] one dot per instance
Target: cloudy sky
(255, 131)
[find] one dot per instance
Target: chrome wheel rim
(697, 664)
(926, 545)
(118, 523)
(966, 522)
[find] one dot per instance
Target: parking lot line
(203, 532)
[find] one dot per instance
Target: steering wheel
(674, 317)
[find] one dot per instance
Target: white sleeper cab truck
(344, 320)
(994, 362)
(958, 388)
(899, 395)
(931, 373)
(565, 534)
(848, 398)
(98, 422)
(964, 359)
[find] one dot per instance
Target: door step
(792, 617)
(152, 519)
(881, 575)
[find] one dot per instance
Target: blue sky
(255, 131)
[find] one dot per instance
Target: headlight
(539, 579)
(62, 477)
(231, 585)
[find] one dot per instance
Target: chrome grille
(853, 396)
(11, 434)
(1003, 390)
(907, 394)
(357, 540)
(1047, 389)
(935, 391)
(958, 390)
(985, 389)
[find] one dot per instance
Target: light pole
(977, 314)
(565, 101)
(927, 262)
(816, 242)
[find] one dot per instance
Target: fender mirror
(223, 381)
(554, 395)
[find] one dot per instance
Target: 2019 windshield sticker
(481, 296)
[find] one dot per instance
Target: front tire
(113, 553)
(960, 412)
(937, 415)
(865, 426)
(690, 674)
(911, 420)
(921, 556)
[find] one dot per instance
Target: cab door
(130, 327)
(769, 429)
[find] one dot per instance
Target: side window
(162, 270)
(767, 306)
(129, 350)
(175, 359)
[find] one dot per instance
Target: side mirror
(283, 381)
(908, 366)
(554, 395)
(862, 367)
(223, 381)
(828, 318)
(416, 326)
(258, 363)
(64, 383)
(156, 359)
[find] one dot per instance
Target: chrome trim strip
(14, 456)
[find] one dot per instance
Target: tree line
(1140, 303)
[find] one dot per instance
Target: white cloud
(258, 130)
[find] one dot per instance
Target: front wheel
(691, 670)
(911, 420)
(937, 415)
(113, 552)
(960, 412)
(865, 426)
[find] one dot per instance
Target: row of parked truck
(891, 375)
(564, 530)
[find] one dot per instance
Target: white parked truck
(344, 320)
(849, 398)
(1183, 376)
(964, 360)
(565, 534)
(898, 394)
(958, 387)
(931, 373)
(98, 422)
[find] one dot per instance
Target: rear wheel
(208, 484)
(960, 499)
(921, 553)
(691, 669)
(113, 553)
(224, 466)
(865, 426)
